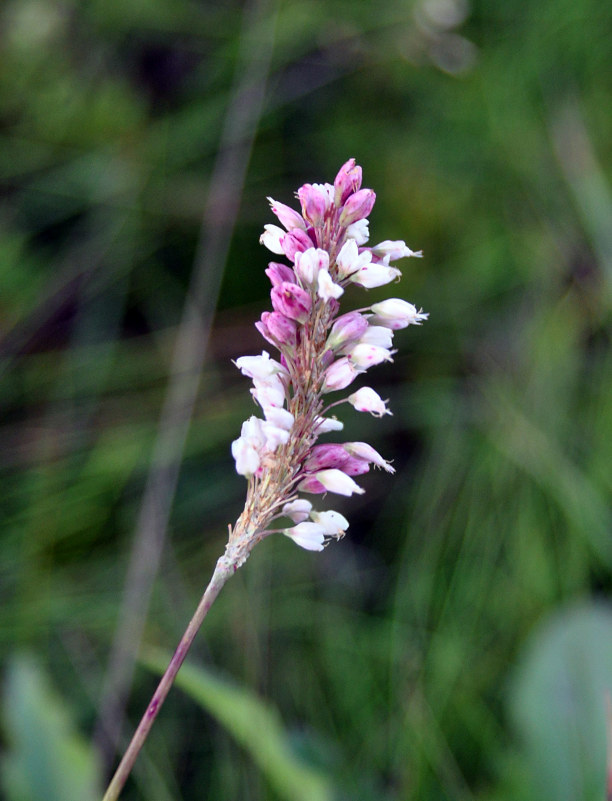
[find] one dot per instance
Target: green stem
(224, 569)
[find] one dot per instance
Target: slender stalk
(224, 569)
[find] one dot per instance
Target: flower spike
(320, 353)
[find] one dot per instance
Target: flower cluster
(320, 352)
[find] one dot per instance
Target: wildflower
(396, 313)
(321, 352)
(367, 400)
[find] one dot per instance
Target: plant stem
(224, 569)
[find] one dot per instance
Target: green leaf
(255, 725)
(47, 759)
(559, 704)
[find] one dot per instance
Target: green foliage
(47, 758)
(485, 131)
(559, 702)
(255, 726)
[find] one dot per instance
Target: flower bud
(346, 182)
(294, 242)
(287, 216)
(308, 535)
(292, 301)
(327, 289)
(334, 523)
(361, 450)
(393, 250)
(298, 510)
(340, 374)
(366, 356)
(347, 329)
(309, 263)
(338, 482)
(367, 400)
(396, 313)
(377, 335)
(315, 200)
(357, 207)
(277, 329)
(277, 273)
(375, 274)
(272, 238)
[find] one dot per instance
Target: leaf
(47, 758)
(559, 703)
(255, 725)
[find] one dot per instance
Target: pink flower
(357, 207)
(292, 301)
(277, 273)
(287, 216)
(320, 353)
(340, 374)
(277, 329)
(346, 330)
(348, 181)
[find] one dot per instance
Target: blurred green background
(458, 643)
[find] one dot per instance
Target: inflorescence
(320, 353)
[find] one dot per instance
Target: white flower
(374, 274)
(394, 250)
(269, 392)
(274, 435)
(323, 425)
(309, 263)
(350, 261)
(340, 374)
(336, 481)
(279, 417)
(365, 356)
(396, 313)
(367, 400)
(377, 335)
(271, 238)
(334, 523)
(327, 288)
(310, 536)
(298, 510)
(247, 448)
(362, 450)
(359, 231)
(259, 367)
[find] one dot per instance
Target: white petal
(298, 510)
(271, 238)
(326, 424)
(327, 288)
(374, 274)
(336, 481)
(334, 523)
(310, 536)
(367, 400)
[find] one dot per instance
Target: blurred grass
(485, 132)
